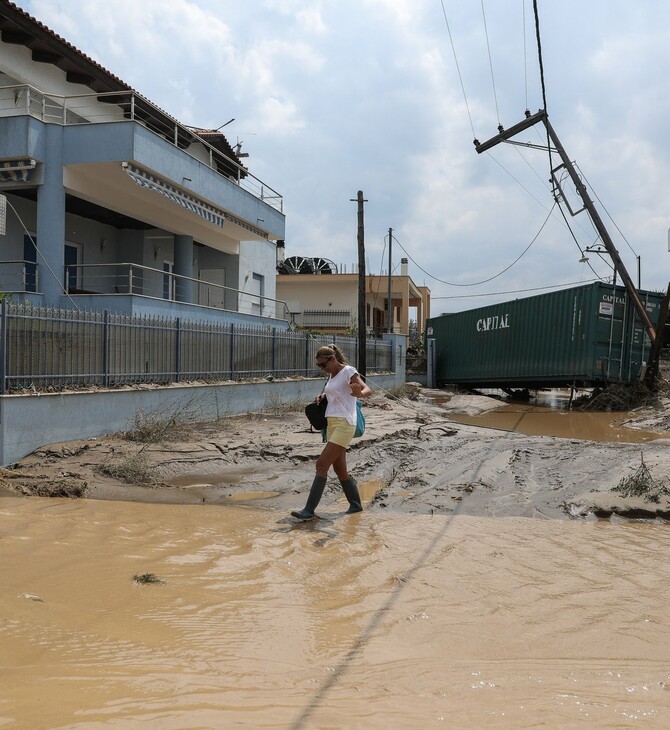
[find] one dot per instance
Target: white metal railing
(128, 105)
(128, 278)
(19, 276)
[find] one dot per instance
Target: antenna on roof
(225, 125)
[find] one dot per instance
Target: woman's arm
(359, 388)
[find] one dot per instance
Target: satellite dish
(306, 265)
(296, 265)
(324, 266)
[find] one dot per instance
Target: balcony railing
(144, 281)
(19, 276)
(119, 106)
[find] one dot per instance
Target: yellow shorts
(340, 432)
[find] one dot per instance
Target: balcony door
(72, 257)
(30, 263)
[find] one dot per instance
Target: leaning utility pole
(362, 366)
(566, 163)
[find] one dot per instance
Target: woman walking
(344, 386)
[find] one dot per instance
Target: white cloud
(333, 97)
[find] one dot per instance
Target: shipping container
(584, 336)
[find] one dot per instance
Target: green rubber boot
(350, 488)
(307, 512)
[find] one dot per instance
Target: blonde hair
(332, 351)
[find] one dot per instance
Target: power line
(517, 291)
(484, 281)
(458, 69)
(488, 48)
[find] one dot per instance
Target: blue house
(111, 203)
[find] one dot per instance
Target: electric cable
(541, 65)
(574, 238)
(634, 252)
(525, 53)
(458, 69)
(484, 281)
(493, 81)
(516, 291)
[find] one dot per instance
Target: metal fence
(44, 349)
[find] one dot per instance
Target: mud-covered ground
(413, 458)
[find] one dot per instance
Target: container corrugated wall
(584, 335)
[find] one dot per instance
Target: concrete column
(51, 219)
(183, 266)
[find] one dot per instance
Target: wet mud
(433, 453)
(486, 584)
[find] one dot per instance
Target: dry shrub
(131, 468)
(642, 484)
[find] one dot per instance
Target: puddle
(509, 623)
(544, 421)
(226, 477)
(250, 496)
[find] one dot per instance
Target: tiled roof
(19, 27)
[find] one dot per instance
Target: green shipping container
(584, 336)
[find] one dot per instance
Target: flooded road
(538, 420)
(370, 621)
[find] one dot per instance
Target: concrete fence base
(28, 422)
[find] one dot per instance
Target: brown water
(544, 421)
(368, 621)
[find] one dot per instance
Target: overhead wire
(514, 291)
(634, 252)
(525, 52)
(488, 48)
(548, 142)
(458, 69)
(491, 278)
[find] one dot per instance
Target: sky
(330, 97)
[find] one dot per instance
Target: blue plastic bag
(360, 420)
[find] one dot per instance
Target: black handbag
(316, 414)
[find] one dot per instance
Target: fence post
(177, 346)
(3, 347)
(105, 348)
(306, 354)
(232, 350)
(274, 348)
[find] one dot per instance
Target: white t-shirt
(341, 404)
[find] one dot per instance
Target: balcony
(118, 280)
(129, 106)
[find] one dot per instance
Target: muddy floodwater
(540, 420)
(370, 621)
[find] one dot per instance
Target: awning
(20, 170)
(190, 202)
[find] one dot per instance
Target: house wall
(28, 422)
(318, 291)
(259, 257)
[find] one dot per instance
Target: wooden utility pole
(362, 327)
(389, 307)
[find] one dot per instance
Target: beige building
(327, 301)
